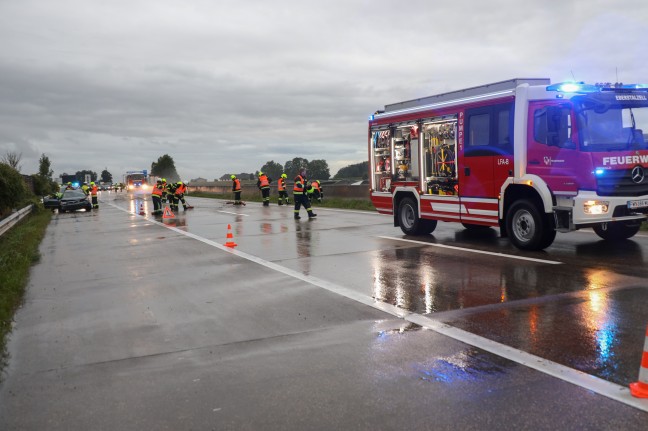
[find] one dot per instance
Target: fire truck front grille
(619, 183)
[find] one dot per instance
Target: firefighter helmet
(92, 183)
(233, 177)
(260, 173)
(164, 180)
(284, 176)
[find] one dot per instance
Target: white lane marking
(491, 253)
(228, 212)
(570, 375)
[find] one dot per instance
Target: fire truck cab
(527, 156)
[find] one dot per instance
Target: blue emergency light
(574, 87)
(581, 87)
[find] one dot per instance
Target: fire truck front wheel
(616, 231)
(409, 220)
(527, 228)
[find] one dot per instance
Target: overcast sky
(225, 86)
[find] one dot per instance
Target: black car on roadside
(69, 200)
(53, 201)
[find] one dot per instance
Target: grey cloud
(226, 86)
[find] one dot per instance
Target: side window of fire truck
(552, 126)
(489, 131)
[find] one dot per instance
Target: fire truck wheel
(409, 221)
(616, 231)
(527, 228)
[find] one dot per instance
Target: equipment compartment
(440, 156)
(382, 159)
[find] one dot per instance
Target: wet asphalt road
(341, 322)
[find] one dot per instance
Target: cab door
(486, 156)
(552, 152)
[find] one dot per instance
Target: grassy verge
(356, 204)
(18, 252)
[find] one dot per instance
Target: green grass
(18, 252)
(356, 204)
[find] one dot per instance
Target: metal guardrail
(14, 218)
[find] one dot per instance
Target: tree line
(316, 170)
(14, 191)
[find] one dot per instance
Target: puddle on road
(468, 365)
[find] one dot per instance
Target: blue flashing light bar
(581, 87)
(635, 86)
(599, 171)
(574, 87)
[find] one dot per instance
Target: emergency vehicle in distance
(136, 180)
(527, 156)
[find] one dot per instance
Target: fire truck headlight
(144, 186)
(595, 207)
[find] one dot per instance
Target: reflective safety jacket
(93, 190)
(157, 190)
(316, 186)
(180, 190)
(281, 184)
(298, 188)
(236, 185)
(263, 181)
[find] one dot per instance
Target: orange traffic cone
(640, 389)
(230, 239)
(142, 209)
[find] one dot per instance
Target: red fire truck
(527, 156)
(136, 181)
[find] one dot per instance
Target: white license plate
(638, 204)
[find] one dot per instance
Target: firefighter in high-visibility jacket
(281, 189)
(315, 191)
(156, 195)
(93, 194)
(178, 196)
(263, 183)
(171, 188)
(299, 194)
(236, 188)
(165, 191)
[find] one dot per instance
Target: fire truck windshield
(613, 124)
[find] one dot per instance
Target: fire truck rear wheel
(409, 220)
(527, 227)
(616, 231)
